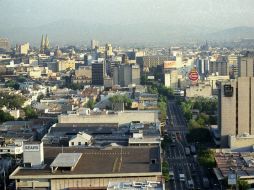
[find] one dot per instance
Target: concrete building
(246, 67)
(23, 48)
(219, 67)
(135, 74)
(81, 139)
(4, 44)
(171, 79)
(124, 75)
(152, 61)
(116, 117)
(63, 65)
(98, 73)
(94, 44)
(233, 64)
(72, 168)
(236, 108)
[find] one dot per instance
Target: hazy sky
(214, 13)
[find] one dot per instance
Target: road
(179, 163)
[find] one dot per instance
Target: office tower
(135, 74)
(233, 63)
(23, 48)
(115, 74)
(171, 79)
(220, 67)
(151, 61)
(4, 44)
(86, 60)
(202, 66)
(94, 44)
(236, 108)
(98, 71)
(246, 67)
(124, 75)
(108, 50)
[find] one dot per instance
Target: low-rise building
(72, 167)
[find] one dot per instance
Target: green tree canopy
(90, 104)
(5, 116)
(11, 100)
(30, 113)
(121, 99)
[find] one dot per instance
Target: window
(79, 143)
(72, 143)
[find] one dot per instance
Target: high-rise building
(4, 44)
(236, 108)
(171, 79)
(94, 44)
(152, 61)
(219, 67)
(233, 64)
(125, 74)
(246, 67)
(23, 48)
(135, 74)
(98, 73)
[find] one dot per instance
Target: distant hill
(79, 32)
(235, 33)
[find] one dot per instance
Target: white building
(81, 139)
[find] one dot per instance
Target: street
(179, 162)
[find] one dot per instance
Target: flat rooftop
(99, 162)
(228, 162)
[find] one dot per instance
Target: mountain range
(77, 32)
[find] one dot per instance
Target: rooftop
(114, 161)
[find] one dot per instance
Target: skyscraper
(94, 44)
(98, 74)
(246, 67)
(236, 108)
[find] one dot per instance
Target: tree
(41, 96)
(201, 135)
(206, 158)
(243, 185)
(5, 116)
(121, 99)
(30, 113)
(11, 100)
(12, 84)
(165, 170)
(90, 104)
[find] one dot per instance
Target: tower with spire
(44, 44)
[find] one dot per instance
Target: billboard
(169, 64)
(193, 75)
(231, 179)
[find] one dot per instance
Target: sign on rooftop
(231, 179)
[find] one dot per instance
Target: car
(171, 175)
(182, 177)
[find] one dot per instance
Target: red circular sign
(193, 75)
